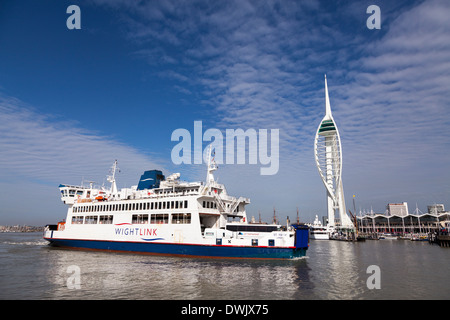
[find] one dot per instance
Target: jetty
(442, 238)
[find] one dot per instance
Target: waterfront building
(397, 209)
(402, 223)
(328, 156)
(436, 208)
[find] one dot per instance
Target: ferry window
(271, 242)
(159, 205)
(159, 218)
(151, 206)
(185, 203)
(176, 204)
(77, 219)
(139, 218)
(140, 206)
(181, 218)
(181, 204)
(91, 220)
(106, 219)
(79, 192)
(172, 205)
(204, 204)
(164, 205)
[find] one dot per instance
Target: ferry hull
(184, 250)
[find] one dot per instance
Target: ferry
(166, 216)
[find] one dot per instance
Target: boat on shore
(317, 231)
(387, 236)
(166, 216)
(419, 237)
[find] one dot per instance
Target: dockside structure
(403, 224)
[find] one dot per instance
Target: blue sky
(72, 101)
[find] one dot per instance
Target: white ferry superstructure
(166, 216)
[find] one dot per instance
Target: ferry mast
(328, 156)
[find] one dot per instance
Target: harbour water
(30, 269)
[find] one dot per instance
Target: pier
(441, 238)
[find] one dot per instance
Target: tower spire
(327, 102)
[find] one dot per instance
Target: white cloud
(261, 65)
(42, 147)
(40, 151)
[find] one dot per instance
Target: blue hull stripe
(211, 251)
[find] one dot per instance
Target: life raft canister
(61, 226)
